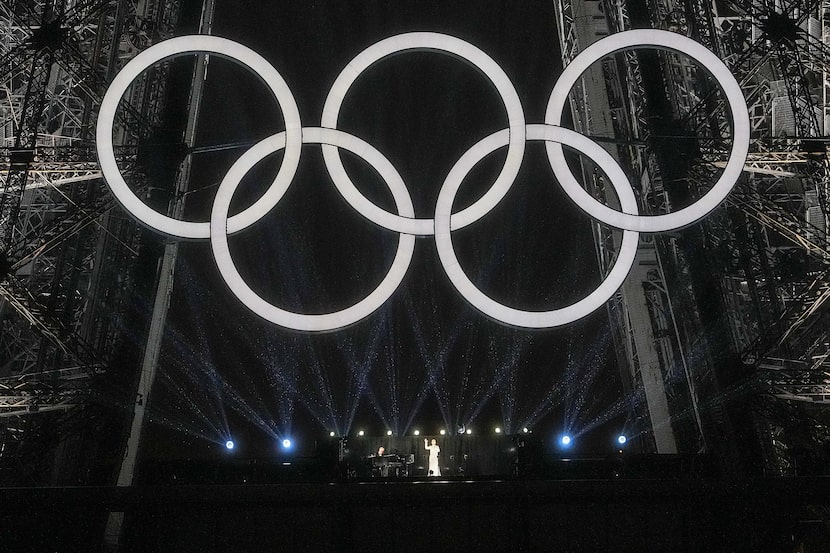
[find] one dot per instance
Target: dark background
(426, 359)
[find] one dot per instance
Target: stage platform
(666, 515)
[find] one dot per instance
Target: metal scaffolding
(719, 328)
(730, 315)
(66, 257)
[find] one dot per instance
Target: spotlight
(361, 433)
(469, 431)
(229, 444)
(565, 440)
(621, 439)
(443, 432)
(331, 434)
(388, 432)
(498, 430)
(417, 432)
(525, 430)
(286, 443)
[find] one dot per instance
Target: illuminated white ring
(740, 122)
(300, 321)
(501, 312)
(176, 47)
(443, 44)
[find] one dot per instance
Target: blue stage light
(286, 443)
(229, 444)
(565, 440)
(621, 439)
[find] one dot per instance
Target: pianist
(381, 451)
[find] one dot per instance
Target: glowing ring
(443, 44)
(404, 221)
(740, 122)
(177, 47)
(300, 321)
(501, 312)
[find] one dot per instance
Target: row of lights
(286, 444)
(565, 440)
(442, 432)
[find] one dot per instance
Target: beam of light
(230, 395)
(592, 363)
(467, 413)
(565, 440)
(156, 413)
(323, 387)
(174, 421)
(185, 395)
(573, 388)
(194, 290)
(632, 401)
(435, 364)
(283, 241)
(229, 444)
(360, 370)
(502, 369)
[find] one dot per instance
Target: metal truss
(768, 248)
(66, 257)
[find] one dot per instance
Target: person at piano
(434, 450)
(381, 451)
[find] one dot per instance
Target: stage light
(621, 439)
(361, 433)
(565, 440)
(229, 444)
(417, 432)
(286, 443)
(443, 432)
(388, 432)
(469, 431)
(498, 430)
(331, 434)
(525, 430)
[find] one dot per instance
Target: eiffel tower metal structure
(67, 257)
(723, 330)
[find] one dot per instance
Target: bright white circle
(300, 321)
(740, 135)
(177, 47)
(443, 44)
(501, 312)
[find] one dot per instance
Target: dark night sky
(426, 357)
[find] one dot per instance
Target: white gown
(434, 469)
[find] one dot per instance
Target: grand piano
(390, 465)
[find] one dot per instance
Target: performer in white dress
(434, 450)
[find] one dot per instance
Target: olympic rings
(404, 221)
